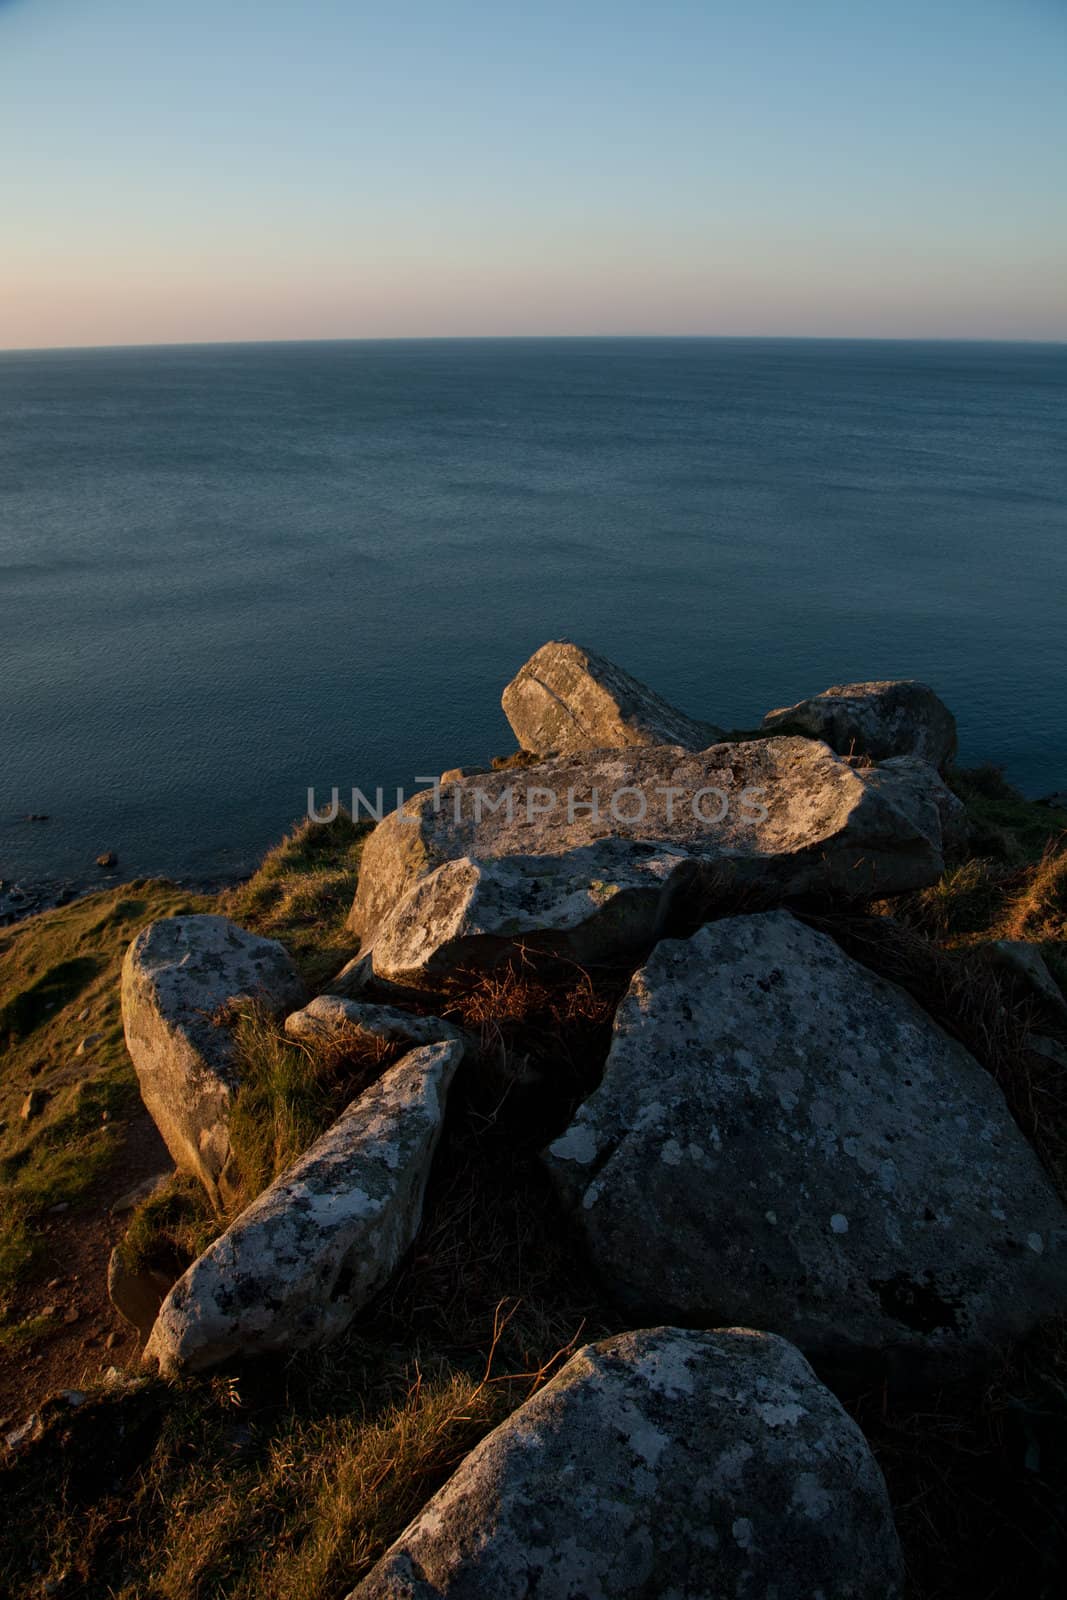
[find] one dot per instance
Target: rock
(784, 1139)
(898, 717)
(566, 699)
(108, 859)
(181, 979)
(317, 1245)
(37, 816)
(33, 1105)
(330, 1017)
(136, 1292)
(30, 1431)
(931, 802)
(670, 1462)
(454, 774)
(1051, 1049)
(1021, 960)
(456, 881)
(88, 1042)
(1057, 800)
(141, 1191)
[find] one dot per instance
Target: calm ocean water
(227, 573)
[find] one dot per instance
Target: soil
(87, 1335)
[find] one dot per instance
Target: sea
(229, 574)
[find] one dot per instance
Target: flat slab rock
(690, 1465)
(331, 1017)
(317, 1245)
(567, 699)
(894, 717)
(469, 870)
(180, 979)
(784, 1139)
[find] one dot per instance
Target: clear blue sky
(247, 169)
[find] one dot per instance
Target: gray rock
(353, 978)
(181, 979)
(567, 699)
(1021, 959)
(930, 801)
(898, 717)
(672, 1463)
(140, 1192)
(330, 1017)
(305, 1257)
(786, 1140)
(456, 880)
(1051, 1049)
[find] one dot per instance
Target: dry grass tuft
(1039, 910)
(290, 1094)
(977, 1476)
(543, 1035)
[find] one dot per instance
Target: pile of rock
(782, 1141)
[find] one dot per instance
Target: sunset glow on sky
(235, 170)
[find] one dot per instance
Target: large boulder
(667, 1462)
(784, 1139)
(184, 980)
(897, 717)
(567, 699)
(464, 873)
(317, 1245)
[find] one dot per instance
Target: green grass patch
(18, 1336)
(170, 1228)
(302, 894)
(1004, 824)
(59, 984)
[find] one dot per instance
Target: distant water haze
(228, 573)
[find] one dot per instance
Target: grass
(302, 893)
(289, 1094)
(1013, 882)
(15, 1336)
(171, 1227)
(59, 983)
(290, 1479)
(1003, 822)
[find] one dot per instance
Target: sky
(248, 169)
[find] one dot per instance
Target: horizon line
(529, 338)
